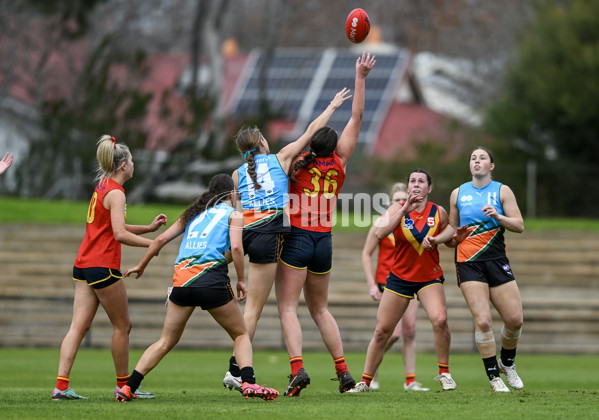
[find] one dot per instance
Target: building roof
(300, 83)
(405, 124)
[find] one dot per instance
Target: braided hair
(322, 144)
(218, 191)
(248, 143)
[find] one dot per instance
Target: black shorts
(262, 248)
(204, 297)
(409, 289)
(306, 249)
(381, 287)
(278, 223)
(97, 277)
(494, 272)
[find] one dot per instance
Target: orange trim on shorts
(253, 217)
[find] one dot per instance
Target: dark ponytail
(322, 144)
(218, 191)
(307, 159)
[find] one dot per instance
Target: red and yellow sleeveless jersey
(385, 258)
(411, 261)
(99, 248)
(313, 197)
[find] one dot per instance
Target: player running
(211, 228)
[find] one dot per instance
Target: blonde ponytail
(110, 155)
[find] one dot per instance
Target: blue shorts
(408, 289)
(97, 277)
(494, 272)
(304, 249)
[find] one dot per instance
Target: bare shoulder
(504, 189)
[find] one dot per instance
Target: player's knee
(318, 313)
(252, 317)
(409, 333)
(440, 322)
(382, 335)
(510, 334)
(285, 310)
(484, 324)
(123, 327)
(166, 344)
(514, 323)
(80, 330)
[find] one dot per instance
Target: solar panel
(300, 84)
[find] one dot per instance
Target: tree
(549, 105)
(78, 86)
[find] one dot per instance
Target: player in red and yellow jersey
(306, 255)
(415, 272)
(406, 327)
(96, 269)
(262, 186)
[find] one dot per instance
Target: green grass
(188, 384)
(16, 210)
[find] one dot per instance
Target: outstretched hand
(364, 64)
(341, 96)
(6, 162)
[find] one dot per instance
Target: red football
(357, 26)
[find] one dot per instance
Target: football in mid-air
(357, 26)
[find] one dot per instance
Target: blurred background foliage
(539, 104)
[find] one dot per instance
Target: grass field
(188, 385)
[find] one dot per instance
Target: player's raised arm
(349, 137)
(289, 152)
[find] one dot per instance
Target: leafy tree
(549, 105)
(445, 159)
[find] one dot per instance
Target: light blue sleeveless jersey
(206, 237)
(274, 193)
(485, 240)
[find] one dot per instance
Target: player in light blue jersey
(481, 211)
(212, 228)
(263, 191)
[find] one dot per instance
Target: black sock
(247, 375)
(134, 380)
(491, 367)
(234, 367)
(508, 356)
